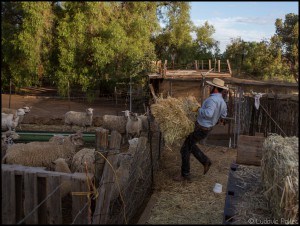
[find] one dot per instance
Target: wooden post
(152, 91)
(159, 66)
(115, 140)
(101, 214)
(196, 64)
(79, 184)
(101, 146)
(165, 68)
(201, 64)
(230, 72)
(215, 65)
(209, 64)
(219, 65)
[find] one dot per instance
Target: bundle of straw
(280, 177)
(175, 117)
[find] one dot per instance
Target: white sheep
(41, 154)
(7, 139)
(60, 165)
(9, 121)
(134, 125)
(21, 111)
(79, 118)
(84, 157)
(57, 138)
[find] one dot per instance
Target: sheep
(57, 138)
(21, 111)
(134, 125)
(60, 165)
(7, 139)
(84, 155)
(9, 121)
(41, 154)
(79, 118)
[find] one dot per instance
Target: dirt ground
(189, 202)
(172, 202)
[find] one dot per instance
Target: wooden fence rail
(31, 195)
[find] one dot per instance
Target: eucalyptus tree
(287, 32)
(174, 41)
(205, 46)
(103, 41)
(27, 29)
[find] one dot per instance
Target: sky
(250, 20)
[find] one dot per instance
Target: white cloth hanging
(257, 100)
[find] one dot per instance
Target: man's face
(225, 94)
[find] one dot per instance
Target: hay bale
(175, 117)
(280, 175)
(113, 122)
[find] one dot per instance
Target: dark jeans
(190, 146)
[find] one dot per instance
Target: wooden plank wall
(31, 195)
(249, 150)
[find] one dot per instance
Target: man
(213, 108)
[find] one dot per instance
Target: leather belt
(202, 127)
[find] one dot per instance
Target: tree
(205, 45)
(174, 41)
(288, 35)
(104, 41)
(26, 41)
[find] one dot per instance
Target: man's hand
(222, 121)
(195, 108)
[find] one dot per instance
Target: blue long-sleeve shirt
(212, 109)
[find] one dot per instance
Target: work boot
(181, 178)
(207, 166)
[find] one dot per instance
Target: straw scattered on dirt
(251, 206)
(191, 202)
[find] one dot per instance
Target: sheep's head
(60, 165)
(77, 139)
(12, 134)
(89, 111)
(27, 109)
(133, 116)
(126, 113)
(21, 112)
(57, 138)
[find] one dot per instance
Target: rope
(273, 120)
(80, 211)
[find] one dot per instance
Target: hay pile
(280, 176)
(175, 117)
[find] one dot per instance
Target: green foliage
(275, 59)
(94, 45)
(26, 41)
(288, 37)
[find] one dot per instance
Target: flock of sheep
(43, 154)
(60, 153)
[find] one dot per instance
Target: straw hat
(218, 83)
